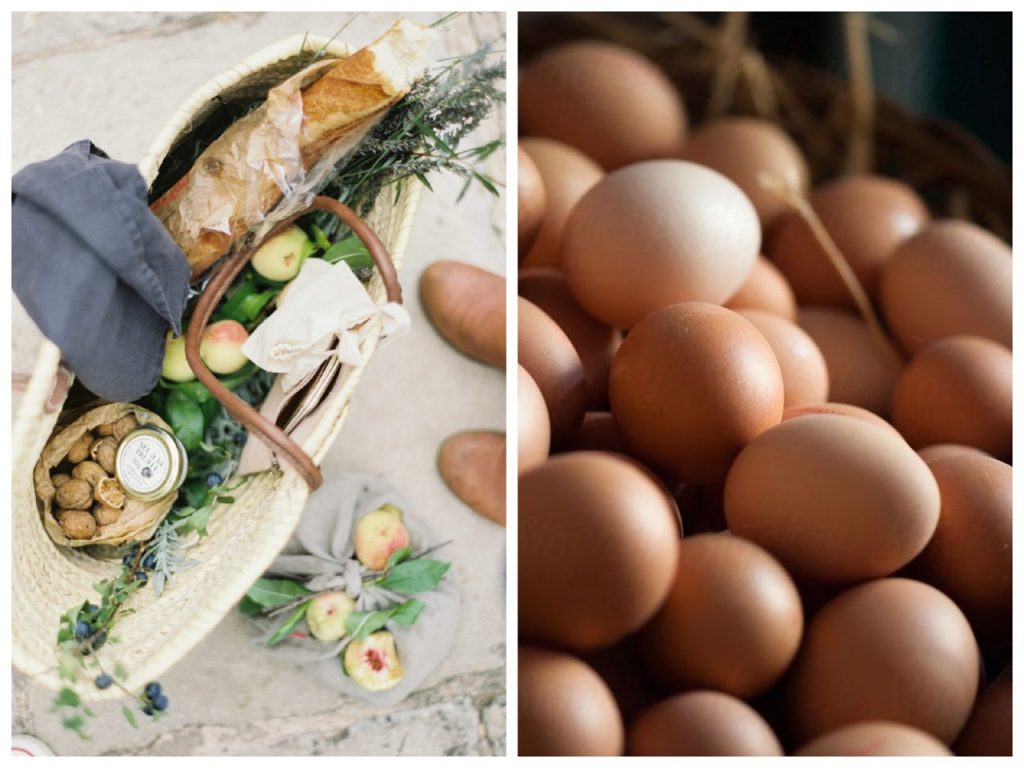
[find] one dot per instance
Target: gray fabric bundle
(96, 270)
(321, 555)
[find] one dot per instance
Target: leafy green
(186, 419)
(414, 576)
(362, 623)
(271, 593)
(350, 250)
(400, 554)
(289, 624)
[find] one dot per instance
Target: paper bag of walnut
(80, 500)
(357, 595)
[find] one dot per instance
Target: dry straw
(244, 537)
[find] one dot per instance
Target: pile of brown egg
(748, 522)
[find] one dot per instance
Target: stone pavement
(116, 78)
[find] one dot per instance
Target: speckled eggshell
(594, 341)
(951, 278)
(597, 549)
(744, 149)
(892, 649)
(565, 708)
(701, 723)
(534, 425)
(566, 174)
(970, 556)
(959, 389)
(765, 289)
(862, 371)
(804, 373)
(867, 216)
(549, 357)
(835, 498)
(604, 99)
(690, 386)
(873, 739)
(658, 233)
(530, 202)
(732, 621)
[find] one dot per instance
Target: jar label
(143, 466)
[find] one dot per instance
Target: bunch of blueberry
(156, 700)
(84, 630)
(148, 563)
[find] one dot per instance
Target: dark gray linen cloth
(96, 270)
(321, 555)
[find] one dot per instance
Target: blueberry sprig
(87, 628)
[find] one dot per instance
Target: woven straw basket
(244, 537)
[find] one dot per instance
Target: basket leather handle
(262, 427)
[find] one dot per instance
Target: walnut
(103, 452)
(74, 494)
(108, 491)
(59, 479)
(124, 425)
(105, 430)
(89, 471)
(105, 515)
(76, 523)
(80, 449)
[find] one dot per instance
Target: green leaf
(194, 390)
(249, 607)
(251, 307)
(321, 240)
(230, 308)
(239, 377)
(119, 671)
(415, 576)
(363, 623)
(66, 697)
(186, 419)
(350, 250)
(75, 723)
(200, 519)
(271, 593)
(129, 716)
(68, 661)
(398, 556)
(407, 613)
(289, 624)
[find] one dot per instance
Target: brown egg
(744, 148)
(566, 174)
(534, 425)
(607, 101)
(952, 278)
(970, 557)
(804, 374)
(765, 289)
(835, 498)
(598, 432)
(892, 649)
(944, 450)
(861, 369)
(530, 202)
(867, 217)
(839, 409)
(551, 360)
(595, 342)
(732, 621)
(959, 389)
(690, 386)
(602, 530)
(872, 739)
(701, 723)
(989, 731)
(622, 669)
(658, 233)
(564, 707)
